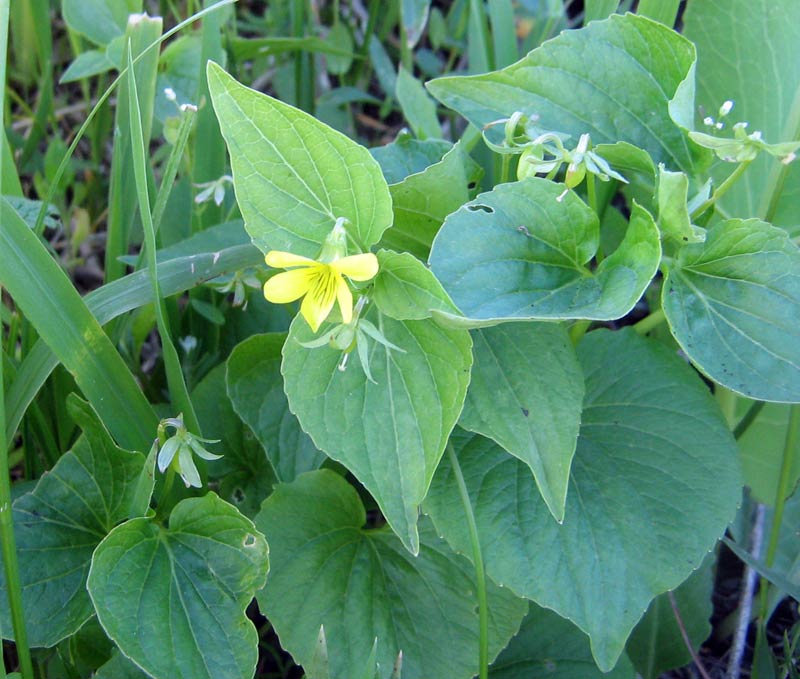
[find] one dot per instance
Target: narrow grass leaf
(48, 300)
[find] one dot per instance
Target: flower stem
(480, 574)
(591, 192)
(747, 419)
(722, 189)
(784, 482)
(650, 322)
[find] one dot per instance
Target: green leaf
(654, 483)
(406, 156)
(614, 79)
(390, 433)
(99, 20)
(774, 575)
(526, 394)
(737, 61)
(339, 38)
(294, 175)
(50, 303)
(119, 667)
(673, 211)
(599, 9)
(85, 65)
(733, 304)
(761, 451)
(362, 584)
(255, 387)
(245, 474)
(414, 14)
(61, 521)
(187, 586)
(549, 646)
(656, 644)
(405, 289)
(418, 108)
(422, 200)
(520, 252)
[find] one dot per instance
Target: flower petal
(289, 285)
(358, 267)
(319, 300)
(345, 299)
(282, 260)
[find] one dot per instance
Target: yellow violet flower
(322, 283)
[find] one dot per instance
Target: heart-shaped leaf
(362, 585)
(173, 599)
(654, 483)
(295, 176)
(61, 521)
(526, 394)
(733, 304)
(522, 251)
(390, 432)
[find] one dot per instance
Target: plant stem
(722, 189)
(746, 599)
(591, 192)
(650, 322)
(744, 424)
(505, 168)
(685, 636)
(776, 179)
(578, 330)
(784, 481)
(480, 574)
(9, 544)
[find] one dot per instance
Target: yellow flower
(322, 283)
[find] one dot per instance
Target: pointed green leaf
(390, 433)
(654, 483)
(255, 387)
(422, 200)
(522, 252)
(405, 289)
(406, 156)
(417, 106)
(673, 211)
(295, 176)
(526, 394)
(733, 304)
(173, 599)
(85, 65)
(614, 79)
(363, 584)
(414, 14)
(59, 524)
(548, 646)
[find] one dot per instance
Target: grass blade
(48, 300)
(121, 296)
(172, 362)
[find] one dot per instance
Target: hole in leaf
(477, 207)
(250, 540)
(238, 496)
